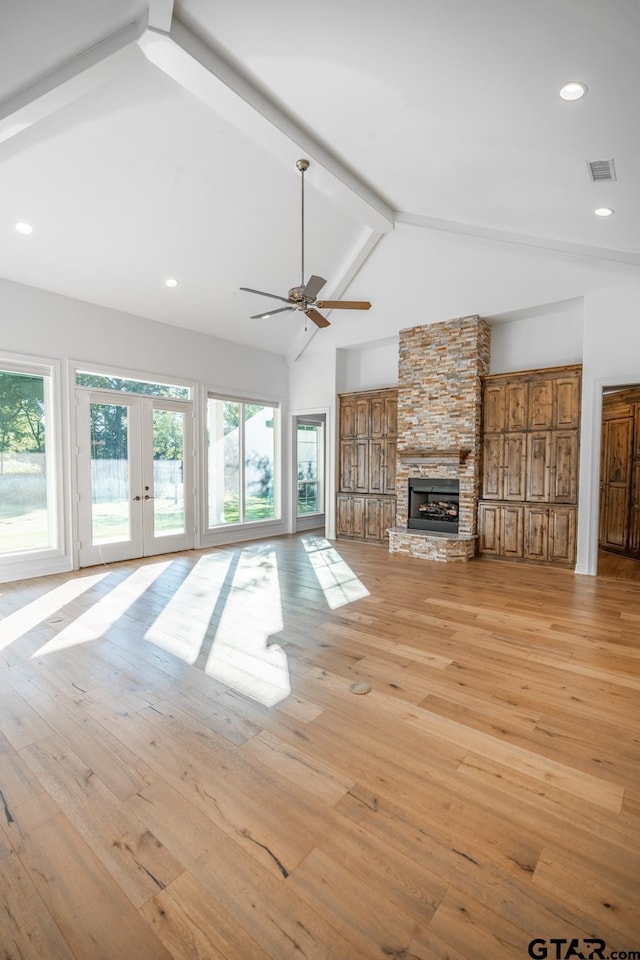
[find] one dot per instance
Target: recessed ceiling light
(23, 227)
(171, 282)
(603, 211)
(574, 90)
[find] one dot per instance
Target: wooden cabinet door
(391, 416)
(357, 516)
(636, 443)
(540, 403)
(372, 519)
(376, 466)
(361, 472)
(388, 517)
(634, 516)
(362, 416)
(516, 406)
(564, 467)
(343, 515)
(489, 528)
(389, 466)
(514, 466)
(493, 408)
(562, 534)
(617, 436)
(347, 417)
(377, 419)
(512, 531)
(347, 465)
(492, 473)
(566, 403)
(536, 533)
(538, 466)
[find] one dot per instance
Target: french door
(135, 476)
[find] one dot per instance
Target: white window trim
(56, 559)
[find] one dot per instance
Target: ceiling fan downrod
(303, 166)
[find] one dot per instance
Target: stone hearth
(440, 372)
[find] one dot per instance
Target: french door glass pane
(168, 472)
(110, 489)
(258, 461)
(24, 512)
(307, 436)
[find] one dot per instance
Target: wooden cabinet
(530, 465)
(620, 473)
(543, 534)
(366, 500)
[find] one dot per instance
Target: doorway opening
(309, 463)
(619, 503)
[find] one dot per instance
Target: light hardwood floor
(486, 792)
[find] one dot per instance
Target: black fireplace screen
(434, 504)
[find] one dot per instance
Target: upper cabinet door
(391, 416)
(494, 403)
(363, 408)
(538, 466)
(377, 419)
(347, 417)
(516, 406)
(540, 405)
(567, 402)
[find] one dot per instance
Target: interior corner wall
(611, 357)
(547, 340)
(368, 367)
(313, 389)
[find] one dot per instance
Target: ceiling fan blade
(274, 296)
(313, 287)
(270, 313)
(343, 304)
(317, 318)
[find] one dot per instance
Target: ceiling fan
(303, 298)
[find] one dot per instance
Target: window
(242, 461)
(310, 468)
(104, 381)
(29, 520)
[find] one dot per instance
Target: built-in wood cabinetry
(530, 445)
(366, 499)
(620, 473)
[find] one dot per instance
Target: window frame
(55, 557)
(242, 528)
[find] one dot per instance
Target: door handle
(147, 497)
(137, 498)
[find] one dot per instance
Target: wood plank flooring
(185, 774)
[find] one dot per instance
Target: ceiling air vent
(600, 170)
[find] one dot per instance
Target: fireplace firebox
(434, 504)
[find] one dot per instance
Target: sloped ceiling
(144, 141)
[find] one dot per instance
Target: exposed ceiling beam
(206, 75)
(521, 239)
(90, 69)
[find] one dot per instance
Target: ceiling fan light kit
(303, 297)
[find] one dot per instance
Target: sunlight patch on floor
(22, 621)
(337, 580)
(182, 626)
(242, 655)
(94, 622)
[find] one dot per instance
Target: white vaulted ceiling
(147, 140)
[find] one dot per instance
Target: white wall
(41, 324)
(368, 367)
(46, 324)
(538, 337)
(611, 357)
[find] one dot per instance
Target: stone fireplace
(440, 370)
